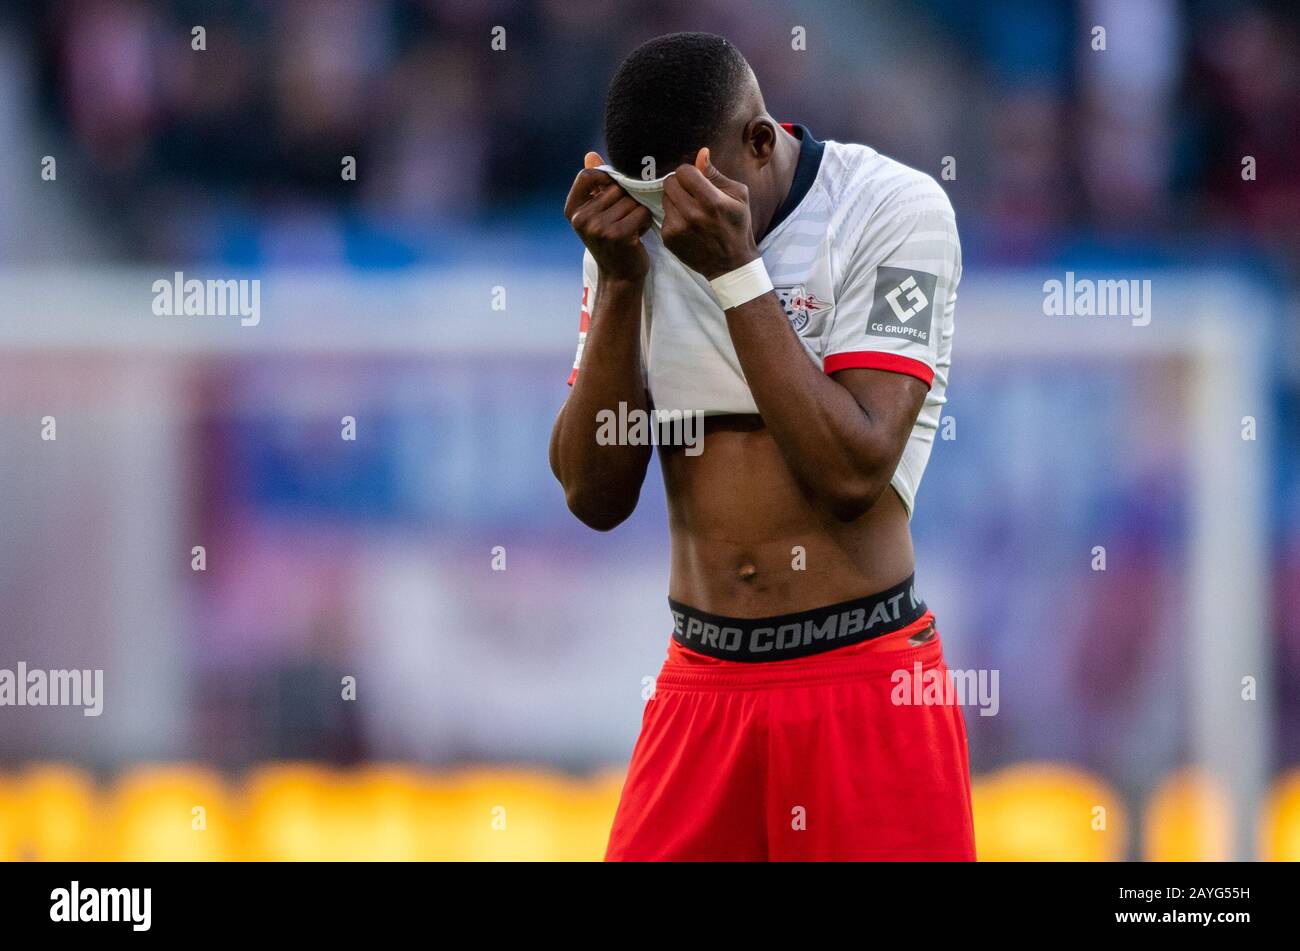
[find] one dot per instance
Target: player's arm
(603, 482)
(841, 437)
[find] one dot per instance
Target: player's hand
(706, 219)
(609, 221)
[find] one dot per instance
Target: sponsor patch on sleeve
(903, 305)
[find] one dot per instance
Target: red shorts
(807, 759)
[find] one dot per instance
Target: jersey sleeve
(899, 285)
(589, 272)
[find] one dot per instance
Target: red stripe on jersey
(875, 360)
(584, 325)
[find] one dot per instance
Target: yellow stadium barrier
(59, 813)
(289, 813)
(380, 817)
(10, 849)
(1280, 822)
(513, 815)
(1040, 812)
(306, 812)
(1188, 818)
(170, 813)
(300, 812)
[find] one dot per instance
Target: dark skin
(810, 472)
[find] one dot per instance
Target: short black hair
(669, 98)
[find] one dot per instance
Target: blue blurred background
(374, 558)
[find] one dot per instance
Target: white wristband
(741, 285)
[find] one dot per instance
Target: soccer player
(799, 294)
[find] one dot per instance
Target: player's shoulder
(863, 182)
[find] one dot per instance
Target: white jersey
(865, 260)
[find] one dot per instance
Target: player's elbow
(849, 504)
(851, 497)
(597, 510)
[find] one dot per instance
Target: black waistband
(797, 635)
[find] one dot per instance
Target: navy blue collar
(805, 173)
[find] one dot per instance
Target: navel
(747, 572)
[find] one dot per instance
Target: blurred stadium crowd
(234, 155)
